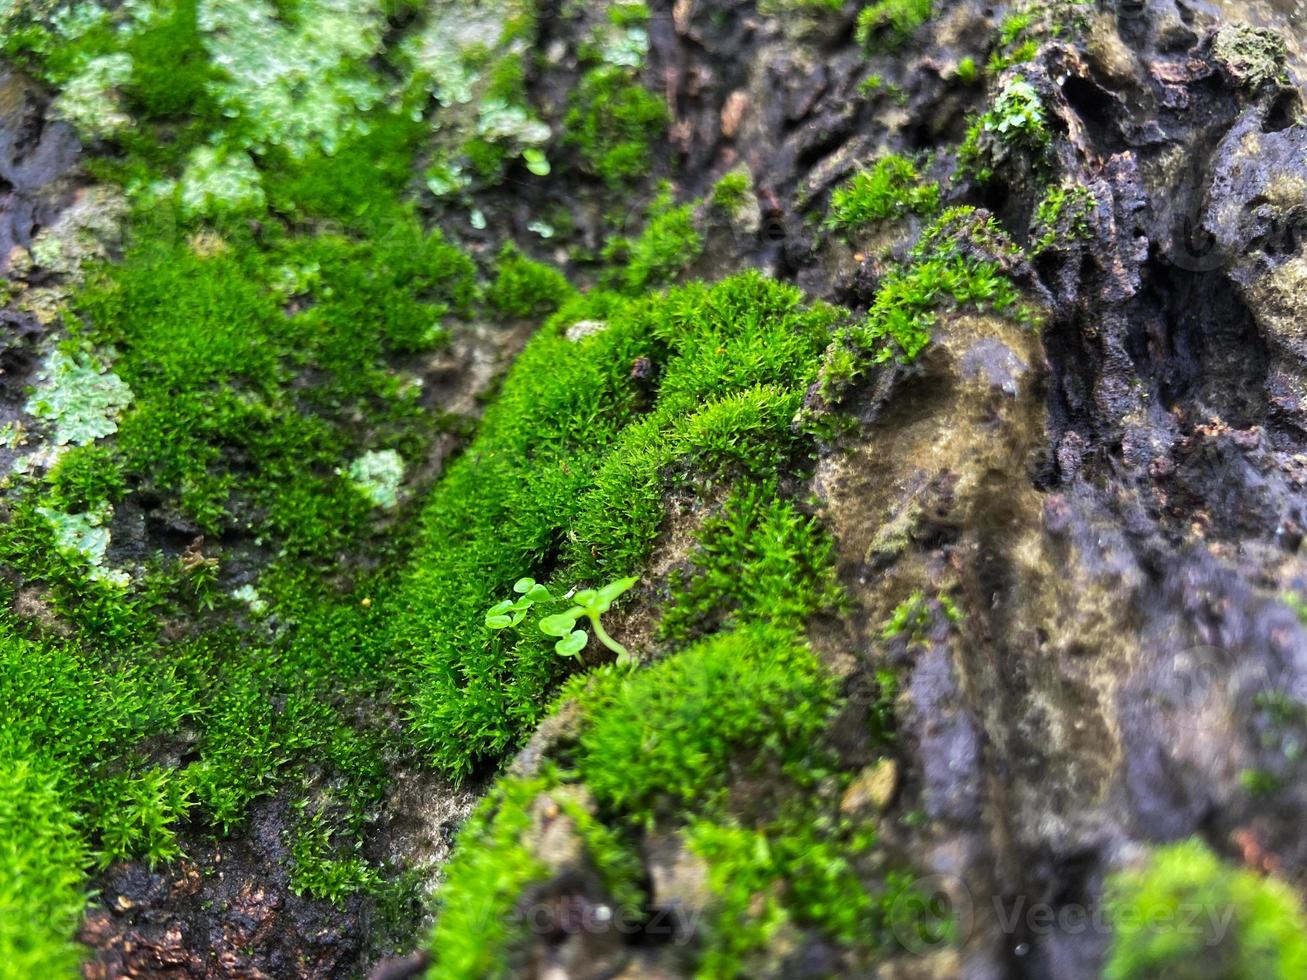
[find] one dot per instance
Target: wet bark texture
(1117, 494)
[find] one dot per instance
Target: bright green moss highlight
(525, 288)
(489, 872)
(205, 340)
(86, 478)
(42, 859)
(663, 739)
(888, 24)
(481, 918)
(890, 188)
(732, 190)
(759, 561)
(570, 462)
(613, 121)
(1250, 926)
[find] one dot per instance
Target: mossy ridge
(219, 327)
(41, 862)
(753, 702)
(886, 25)
(662, 748)
(565, 477)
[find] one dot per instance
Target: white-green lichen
(218, 181)
(453, 58)
(86, 536)
(90, 100)
(377, 475)
(300, 88)
(79, 397)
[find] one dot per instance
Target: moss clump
(1252, 926)
(1031, 22)
(765, 884)
(733, 191)
(888, 24)
(1014, 123)
(706, 704)
(1062, 217)
(760, 561)
(204, 339)
(487, 878)
(86, 478)
(668, 244)
(172, 75)
(945, 269)
(524, 288)
(1252, 57)
(571, 464)
(613, 121)
(890, 188)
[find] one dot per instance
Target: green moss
(1248, 926)
(42, 860)
(1032, 22)
(1253, 57)
(86, 478)
(788, 878)
(570, 463)
(487, 877)
(1015, 122)
(613, 121)
(172, 75)
(1062, 218)
(665, 738)
(524, 288)
(482, 919)
(668, 244)
(733, 191)
(760, 561)
(890, 188)
(940, 273)
(887, 25)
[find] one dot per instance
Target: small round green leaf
(536, 161)
(560, 624)
(571, 646)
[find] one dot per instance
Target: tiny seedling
(511, 612)
(591, 603)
